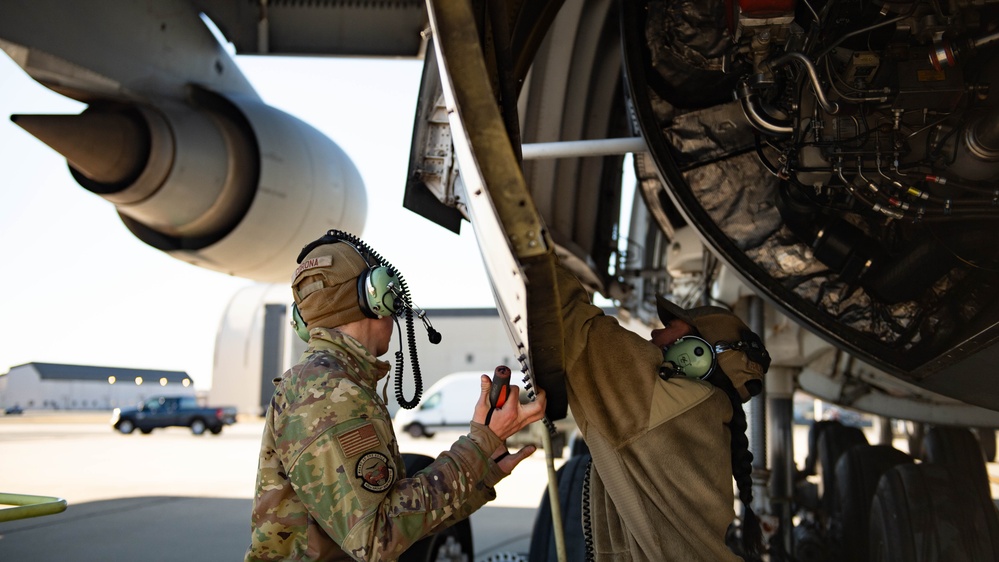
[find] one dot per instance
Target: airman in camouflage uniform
(331, 483)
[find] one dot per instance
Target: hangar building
(255, 343)
(51, 386)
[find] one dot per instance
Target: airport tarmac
(171, 496)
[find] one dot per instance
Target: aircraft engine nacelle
(224, 182)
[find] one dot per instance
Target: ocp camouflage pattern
(321, 489)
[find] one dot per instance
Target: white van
(448, 403)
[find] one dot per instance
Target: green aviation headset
(694, 357)
(298, 324)
(381, 292)
(689, 356)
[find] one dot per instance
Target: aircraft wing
(367, 28)
(176, 138)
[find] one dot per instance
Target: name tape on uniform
(312, 263)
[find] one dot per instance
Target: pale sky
(77, 287)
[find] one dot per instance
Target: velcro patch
(312, 263)
(358, 440)
(374, 471)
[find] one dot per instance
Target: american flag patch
(359, 440)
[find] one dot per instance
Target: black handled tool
(499, 391)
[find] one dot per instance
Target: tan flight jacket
(661, 482)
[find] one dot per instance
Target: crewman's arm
(346, 475)
(500, 408)
(349, 482)
(610, 370)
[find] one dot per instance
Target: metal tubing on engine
(985, 40)
(759, 118)
(813, 76)
(580, 148)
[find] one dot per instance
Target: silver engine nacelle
(223, 182)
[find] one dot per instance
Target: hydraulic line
(813, 76)
(947, 209)
(757, 114)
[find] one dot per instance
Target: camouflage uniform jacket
(331, 484)
(661, 480)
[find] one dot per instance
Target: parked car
(448, 403)
(173, 411)
(13, 410)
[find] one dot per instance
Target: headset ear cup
(692, 356)
(364, 296)
(299, 325)
(375, 295)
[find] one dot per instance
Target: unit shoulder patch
(374, 471)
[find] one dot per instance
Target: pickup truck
(172, 411)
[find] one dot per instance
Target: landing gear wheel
(925, 512)
(453, 544)
(858, 472)
(835, 440)
(570, 478)
(814, 433)
(958, 448)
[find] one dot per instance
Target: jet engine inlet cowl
(225, 183)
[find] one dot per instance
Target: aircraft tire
(570, 478)
(926, 512)
(958, 448)
(858, 472)
(814, 432)
(834, 440)
(451, 544)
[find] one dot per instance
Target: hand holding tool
(499, 391)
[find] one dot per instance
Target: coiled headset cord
(402, 293)
(417, 377)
